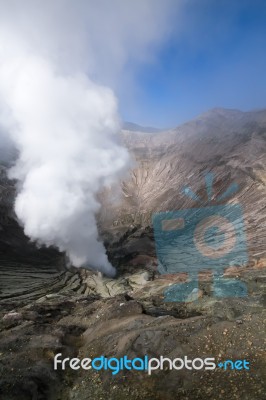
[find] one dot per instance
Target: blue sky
(215, 57)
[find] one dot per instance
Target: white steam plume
(65, 134)
(63, 124)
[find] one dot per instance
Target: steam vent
(49, 307)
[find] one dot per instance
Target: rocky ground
(46, 308)
(83, 314)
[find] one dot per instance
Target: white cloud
(54, 56)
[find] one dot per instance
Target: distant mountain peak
(130, 126)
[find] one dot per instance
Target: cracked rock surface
(129, 317)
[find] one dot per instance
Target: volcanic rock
(47, 308)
